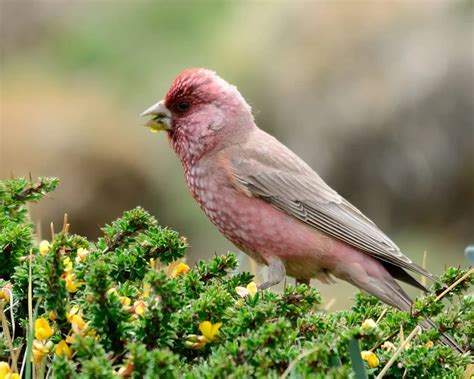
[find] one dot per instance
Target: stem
(449, 289)
(399, 351)
(6, 333)
(292, 365)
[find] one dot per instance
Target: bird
(271, 204)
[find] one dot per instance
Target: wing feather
(272, 172)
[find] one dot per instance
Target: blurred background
(376, 96)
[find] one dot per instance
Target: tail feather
(400, 299)
(378, 278)
(400, 274)
(446, 339)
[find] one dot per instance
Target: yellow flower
(4, 369)
(125, 301)
(180, 269)
(151, 262)
(195, 342)
(429, 344)
(73, 311)
(146, 290)
(81, 255)
(67, 265)
(78, 324)
(252, 287)
(42, 329)
(139, 307)
(250, 290)
(62, 349)
(210, 331)
(39, 351)
(71, 284)
(70, 339)
(368, 324)
(5, 372)
(52, 315)
(5, 294)
(44, 247)
(370, 357)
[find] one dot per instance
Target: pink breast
(258, 228)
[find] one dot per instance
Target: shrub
(127, 306)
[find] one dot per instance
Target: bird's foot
(276, 273)
(266, 285)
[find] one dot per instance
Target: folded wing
(264, 168)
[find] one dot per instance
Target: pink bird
(268, 201)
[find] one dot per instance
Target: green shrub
(124, 306)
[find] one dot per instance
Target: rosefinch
(268, 201)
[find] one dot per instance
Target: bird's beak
(160, 117)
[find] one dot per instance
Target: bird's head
(200, 112)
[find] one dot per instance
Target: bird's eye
(183, 106)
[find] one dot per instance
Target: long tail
(394, 295)
(378, 278)
(445, 338)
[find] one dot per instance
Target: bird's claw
(265, 285)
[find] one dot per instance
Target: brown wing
(265, 168)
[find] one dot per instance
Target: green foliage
(16, 230)
(125, 307)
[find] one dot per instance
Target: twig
(10, 308)
(292, 365)
(13, 323)
(30, 319)
(468, 372)
(21, 196)
(376, 346)
(17, 357)
(65, 224)
(449, 289)
(6, 332)
(399, 351)
(329, 304)
(381, 315)
(52, 231)
(404, 343)
(119, 237)
(253, 269)
(423, 265)
(389, 337)
(401, 335)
